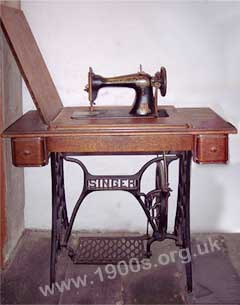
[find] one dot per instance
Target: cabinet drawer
(211, 149)
(29, 152)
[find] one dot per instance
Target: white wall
(198, 43)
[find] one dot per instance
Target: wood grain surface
(193, 121)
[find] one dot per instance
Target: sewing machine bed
(114, 112)
(113, 116)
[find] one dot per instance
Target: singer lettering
(109, 183)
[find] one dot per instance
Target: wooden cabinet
(32, 140)
(29, 151)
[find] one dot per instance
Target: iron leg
(149, 243)
(182, 221)
(59, 211)
(54, 221)
(188, 156)
(188, 265)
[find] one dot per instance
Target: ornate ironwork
(109, 250)
(153, 203)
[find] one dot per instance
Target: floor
(216, 269)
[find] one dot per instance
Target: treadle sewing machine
(173, 134)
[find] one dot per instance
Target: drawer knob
(27, 152)
(213, 149)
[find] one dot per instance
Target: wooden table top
(116, 120)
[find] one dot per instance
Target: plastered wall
(198, 43)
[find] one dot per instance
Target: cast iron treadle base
(154, 204)
(109, 250)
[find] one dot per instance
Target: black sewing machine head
(145, 102)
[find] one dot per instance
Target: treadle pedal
(109, 250)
